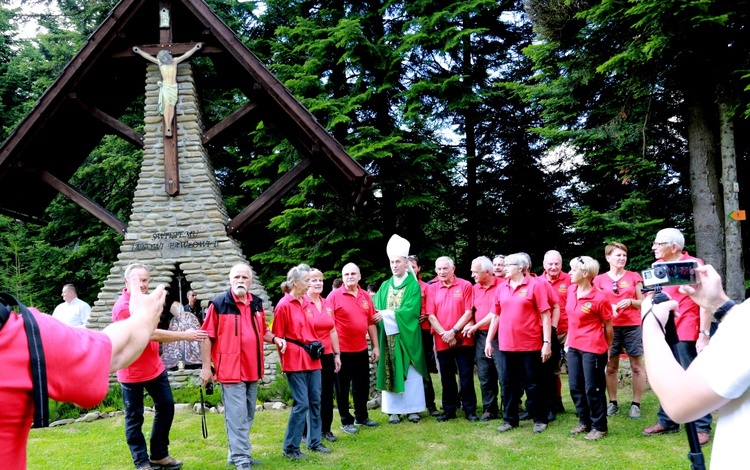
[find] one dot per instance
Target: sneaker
(540, 427)
(349, 429)
(167, 463)
(368, 422)
(635, 412)
(472, 417)
(320, 448)
(255, 462)
(294, 455)
(394, 419)
(433, 411)
(612, 409)
(506, 427)
(413, 417)
(595, 435)
(659, 429)
(581, 428)
(328, 436)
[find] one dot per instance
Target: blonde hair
(586, 263)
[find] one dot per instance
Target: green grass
(429, 444)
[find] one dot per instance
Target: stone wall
(186, 232)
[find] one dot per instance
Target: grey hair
(133, 266)
(485, 262)
(445, 258)
(295, 274)
(519, 259)
(673, 236)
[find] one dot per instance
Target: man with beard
(236, 327)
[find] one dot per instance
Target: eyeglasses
(662, 243)
(510, 264)
(614, 287)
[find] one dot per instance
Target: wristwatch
(705, 332)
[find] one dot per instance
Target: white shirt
(73, 313)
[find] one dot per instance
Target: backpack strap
(36, 357)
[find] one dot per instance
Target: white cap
(397, 246)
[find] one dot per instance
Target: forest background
(490, 126)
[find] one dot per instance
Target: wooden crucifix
(168, 93)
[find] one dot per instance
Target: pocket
(228, 369)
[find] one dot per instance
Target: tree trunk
(735, 270)
(704, 186)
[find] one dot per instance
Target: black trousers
(354, 375)
(428, 346)
(458, 360)
(588, 387)
(522, 370)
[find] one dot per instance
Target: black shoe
(524, 415)
(320, 448)
(328, 436)
(486, 416)
(294, 455)
(368, 422)
(255, 462)
(446, 417)
(550, 417)
(472, 417)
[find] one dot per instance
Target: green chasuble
(400, 350)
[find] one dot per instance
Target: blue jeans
(305, 387)
(132, 396)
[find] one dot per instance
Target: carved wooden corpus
(171, 166)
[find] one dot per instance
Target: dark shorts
(627, 339)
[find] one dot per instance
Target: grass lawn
(429, 444)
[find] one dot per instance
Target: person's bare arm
(130, 336)
(372, 330)
(206, 373)
(189, 53)
(166, 336)
(146, 55)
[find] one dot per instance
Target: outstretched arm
(130, 336)
(145, 55)
(189, 53)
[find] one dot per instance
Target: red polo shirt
(323, 322)
(353, 315)
(293, 319)
(626, 286)
(587, 316)
(484, 299)
(149, 364)
(560, 285)
(448, 304)
(519, 310)
(688, 321)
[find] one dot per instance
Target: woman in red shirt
(331, 360)
(622, 289)
(293, 320)
(589, 339)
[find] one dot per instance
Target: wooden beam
(171, 165)
(174, 49)
(230, 123)
(270, 196)
(92, 207)
(117, 127)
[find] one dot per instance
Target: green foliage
(277, 390)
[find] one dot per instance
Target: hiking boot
(540, 427)
(320, 448)
(328, 436)
(506, 427)
(349, 429)
(368, 423)
(595, 435)
(167, 463)
(294, 455)
(659, 429)
(581, 428)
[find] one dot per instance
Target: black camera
(210, 388)
(670, 273)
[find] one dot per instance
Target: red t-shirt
(626, 285)
(688, 322)
(294, 320)
(484, 298)
(353, 315)
(560, 285)
(77, 371)
(149, 364)
(235, 348)
(323, 322)
(586, 318)
(519, 310)
(448, 304)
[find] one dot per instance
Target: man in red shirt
(484, 290)
(449, 306)
(148, 373)
(73, 356)
(691, 333)
(236, 328)
(498, 266)
(560, 282)
(355, 318)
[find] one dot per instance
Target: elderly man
(692, 332)
(498, 266)
(449, 306)
(355, 318)
(402, 366)
(560, 281)
(484, 291)
(236, 328)
(148, 373)
(73, 311)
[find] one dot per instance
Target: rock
(278, 406)
(182, 407)
(61, 422)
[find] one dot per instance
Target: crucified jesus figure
(168, 84)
